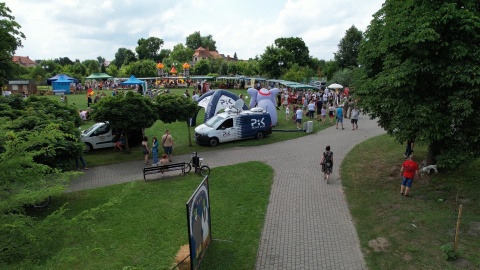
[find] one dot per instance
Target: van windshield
(212, 122)
(91, 128)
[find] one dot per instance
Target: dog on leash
(427, 169)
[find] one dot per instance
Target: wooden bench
(163, 168)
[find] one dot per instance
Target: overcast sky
(85, 29)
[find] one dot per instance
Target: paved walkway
(308, 224)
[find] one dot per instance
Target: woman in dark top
(327, 163)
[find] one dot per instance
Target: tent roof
(62, 79)
(54, 78)
(202, 77)
(100, 76)
(133, 80)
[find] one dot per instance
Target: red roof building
(24, 61)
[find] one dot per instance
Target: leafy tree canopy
(10, 40)
(181, 53)
(347, 54)
(149, 48)
(201, 67)
(296, 47)
(274, 60)
(172, 108)
(129, 113)
(124, 56)
(419, 76)
(195, 40)
(38, 114)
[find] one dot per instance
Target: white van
(98, 136)
(233, 125)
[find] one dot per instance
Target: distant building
(27, 87)
(24, 61)
(205, 53)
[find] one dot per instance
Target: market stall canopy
(207, 78)
(98, 76)
(132, 80)
(56, 77)
(335, 86)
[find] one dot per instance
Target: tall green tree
(124, 56)
(195, 40)
(91, 65)
(149, 49)
(347, 54)
(172, 108)
(10, 40)
(63, 61)
(419, 76)
(201, 67)
(129, 113)
(344, 77)
(274, 61)
(296, 47)
(181, 53)
(164, 53)
(140, 69)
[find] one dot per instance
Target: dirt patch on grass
(462, 263)
(474, 228)
(380, 244)
(407, 257)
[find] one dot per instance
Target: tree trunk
(127, 145)
(433, 151)
(189, 135)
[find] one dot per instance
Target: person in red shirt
(408, 171)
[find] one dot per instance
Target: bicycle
(197, 163)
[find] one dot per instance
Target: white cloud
(90, 28)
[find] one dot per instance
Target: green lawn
(179, 132)
(141, 225)
(416, 228)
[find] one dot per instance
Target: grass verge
(408, 233)
(141, 225)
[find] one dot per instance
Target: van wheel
(259, 135)
(213, 142)
(88, 148)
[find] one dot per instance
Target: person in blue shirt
(155, 150)
(339, 116)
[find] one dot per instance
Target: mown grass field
(141, 225)
(416, 228)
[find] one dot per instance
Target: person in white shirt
(299, 114)
(195, 96)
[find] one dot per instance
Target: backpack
(328, 159)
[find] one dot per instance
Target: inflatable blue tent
(54, 78)
(61, 85)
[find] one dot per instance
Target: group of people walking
(166, 143)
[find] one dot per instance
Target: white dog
(427, 169)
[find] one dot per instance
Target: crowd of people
(320, 102)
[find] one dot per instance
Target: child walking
(287, 112)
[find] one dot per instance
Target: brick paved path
(308, 224)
